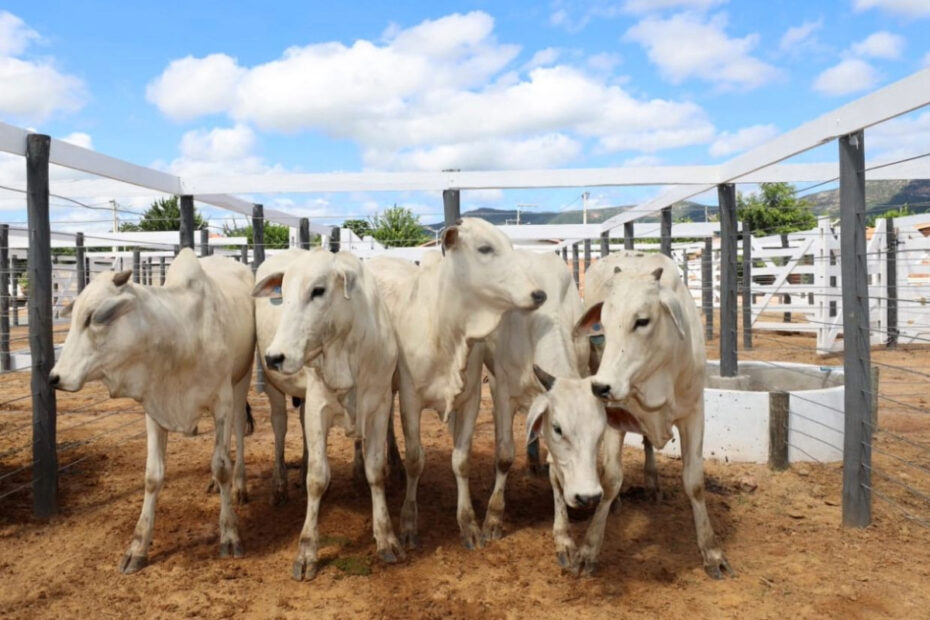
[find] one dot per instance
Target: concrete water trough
(747, 416)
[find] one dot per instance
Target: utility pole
(584, 208)
(115, 223)
(523, 204)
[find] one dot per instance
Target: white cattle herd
(345, 336)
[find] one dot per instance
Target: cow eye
(641, 322)
(317, 291)
(557, 429)
(486, 249)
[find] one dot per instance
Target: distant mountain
(880, 196)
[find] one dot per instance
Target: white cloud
(926, 60)
(898, 138)
(218, 144)
(881, 44)
(652, 6)
(543, 58)
(79, 138)
(604, 62)
(849, 76)
(728, 143)
(687, 45)
(908, 8)
(643, 161)
(32, 90)
(191, 87)
(440, 94)
(799, 37)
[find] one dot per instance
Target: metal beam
(747, 286)
(665, 232)
(857, 439)
(726, 194)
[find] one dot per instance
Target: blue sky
(210, 87)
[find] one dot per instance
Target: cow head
(99, 337)
(489, 276)
(643, 327)
(572, 421)
(316, 294)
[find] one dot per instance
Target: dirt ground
(781, 531)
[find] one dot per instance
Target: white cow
(179, 349)
(543, 337)
(439, 310)
(335, 329)
(651, 374)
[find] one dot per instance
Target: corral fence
(857, 293)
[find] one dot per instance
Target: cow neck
(554, 349)
(446, 332)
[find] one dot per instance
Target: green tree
(904, 211)
(359, 227)
(277, 236)
(398, 227)
(775, 210)
(163, 214)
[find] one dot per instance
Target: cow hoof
(409, 540)
(392, 555)
(584, 562)
(305, 570)
(564, 559)
(231, 548)
(718, 569)
(133, 563)
(492, 531)
(472, 538)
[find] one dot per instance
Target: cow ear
(449, 237)
(112, 309)
(670, 302)
(66, 310)
(349, 270)
(269, 286)
(122, 277)
(590, 322)
(657, 273)
(534, 418)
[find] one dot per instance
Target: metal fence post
(5, 297)
(136, 266)
(334, 239)
(665, 237)
(726, 195)
(304, 233)
(857, 441)
(891, 281)
(244, 254)
(747, 286)
(79, 262)
(186, 206)
(451, 206)
(258, 257)
(587, 254)
(14, 296)
(161, 270)
(41, 348)
(605, 243)
(575, 262)
(628, 234)
(565, 253)
(204, 242)
(707, 286)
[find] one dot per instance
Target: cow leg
(305, 456)
(375, 415)
(464, 429)
(410, 411)
(137, 556)
(650, 472)
(564, 545)
(691, 431)
(223, 414)
(611, 480)
(503, 459)
(317, 421)
(395, 464)
(240, 416)
(279, 426)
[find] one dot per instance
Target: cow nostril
(274, 361)
(601, 390)
(539, 297)
(54, 380)
(587, 501)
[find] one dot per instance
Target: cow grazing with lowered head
(335, 330)
(652, 368)
(439, 311)
(543, 337)
(180, 349)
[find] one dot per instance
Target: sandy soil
(780, 531)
